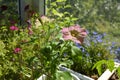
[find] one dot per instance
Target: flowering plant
(43, 45)
(36, 49)
(89, 52)
(27, 52)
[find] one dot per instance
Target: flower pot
(105, 76)
(80, 76)
(42, 77)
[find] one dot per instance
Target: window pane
(8, 11)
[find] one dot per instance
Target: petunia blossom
(74, 33)
(13, 28)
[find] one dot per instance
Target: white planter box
(42, 77)
(80, 76)
(105, 76)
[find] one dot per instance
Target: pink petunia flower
(13, 28)
(17, 50)
(74, 33)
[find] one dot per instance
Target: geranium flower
(17, 50)
(74, 33)
(13, 28)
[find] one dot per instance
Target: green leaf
(2, 50)
(67, 63)
(118, 71)
(74, 19)
(60, 0)
(53, 4)
(1, 45)
(75, 50)
(68, 6)
(57, 13)
(110, 65)
(63, 75)
(26, 71)
(98, 66)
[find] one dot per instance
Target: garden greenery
(60, 38)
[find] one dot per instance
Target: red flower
(13, 28)
(17, 50)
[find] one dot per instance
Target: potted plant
(88, 54)
(37, 49)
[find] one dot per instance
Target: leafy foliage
(36, 53)
(63, 76)
(30, 51)
(102, 65)
(101, 16)
(88, 56)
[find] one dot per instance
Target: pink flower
(17, 50)
(74, 33)
(13, 28)
(45, 19)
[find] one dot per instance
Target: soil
(114, 77)
(95, 77)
